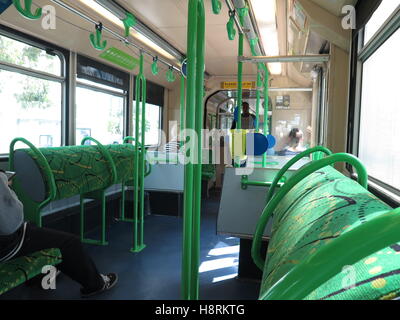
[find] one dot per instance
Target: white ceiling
(334, 6)
(168, 18)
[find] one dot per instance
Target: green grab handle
(47, 170)
(154, 67)
(107, 156)
(96, 40)
(243, 12)
(348, 249)
(129, 22)
(230, 26)
(170, 75)
(27, 11)
(216, 6)
(290, 163)
(302, 173)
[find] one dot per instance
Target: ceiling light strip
(140, 27)
(115, 34)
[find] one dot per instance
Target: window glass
(380, 111)
(99, 115)
(379, 17)
(153, 123)
(29, 108)
(22, 54)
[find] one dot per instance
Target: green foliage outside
(33, 93)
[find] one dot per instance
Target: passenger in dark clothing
(248, 119)
(18, 238)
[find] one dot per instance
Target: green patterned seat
(17, 271)
(319, 209)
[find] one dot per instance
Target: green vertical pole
(266, 109)
(189, 170)
(137, 160)
(258, 102)
(240, 72)
(182, 106)
(198, 165)
(142, 155)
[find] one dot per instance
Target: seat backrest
(322, 207)
(76, 169)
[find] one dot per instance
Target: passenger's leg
(75, 262)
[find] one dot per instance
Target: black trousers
(76, 264)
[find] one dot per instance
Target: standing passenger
(248, 119)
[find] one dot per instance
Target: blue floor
(154, 274)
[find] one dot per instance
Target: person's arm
(11, 209)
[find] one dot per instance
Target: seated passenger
(18, 238)
(294, 146)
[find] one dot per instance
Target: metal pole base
(138, 249)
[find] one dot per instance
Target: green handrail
(182, 109)
(200, 63)
(290, 163)
(192, 187)
(107, 156)
(142, 154)
(46, 167)
(293, 181)
(258, 101)
(139, 165)
(266, 110)
(240, 72)
(352, 246)
(130, 138)
(246, 182)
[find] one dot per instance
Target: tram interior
(304, 72)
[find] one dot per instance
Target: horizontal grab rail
(46, 167)
(290, 163)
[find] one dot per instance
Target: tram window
(153, 123)
(379, 132)
(99, 114)
(24, 55)
(383, 12)
(24, 93)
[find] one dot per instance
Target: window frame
(360, 53)
(63, 79)
(150, 86)
(123, 95)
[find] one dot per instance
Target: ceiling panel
(334, 6)
(221, 53)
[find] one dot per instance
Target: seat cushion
(319, 209)
(17, 271)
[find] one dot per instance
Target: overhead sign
(232, 85)
(120, 58)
